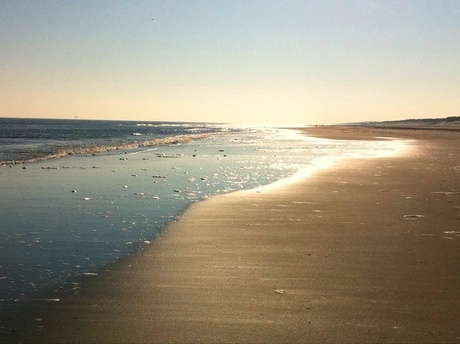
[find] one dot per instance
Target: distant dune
(450, 123)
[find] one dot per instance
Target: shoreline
(88, 150)
(329, 258)
(100, 208)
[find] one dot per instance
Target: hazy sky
(302, 62)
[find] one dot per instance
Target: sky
(248, 61)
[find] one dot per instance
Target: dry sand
(366, 251)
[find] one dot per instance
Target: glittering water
(61, 218)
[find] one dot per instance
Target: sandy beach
(365, 251)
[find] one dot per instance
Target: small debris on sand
(413, 216)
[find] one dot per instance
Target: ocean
(77, 195)
(28, 140)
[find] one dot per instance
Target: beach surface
(367, 250)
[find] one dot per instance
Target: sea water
(68, 216)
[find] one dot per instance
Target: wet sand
(365, 251)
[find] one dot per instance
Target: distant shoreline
(449, 123)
